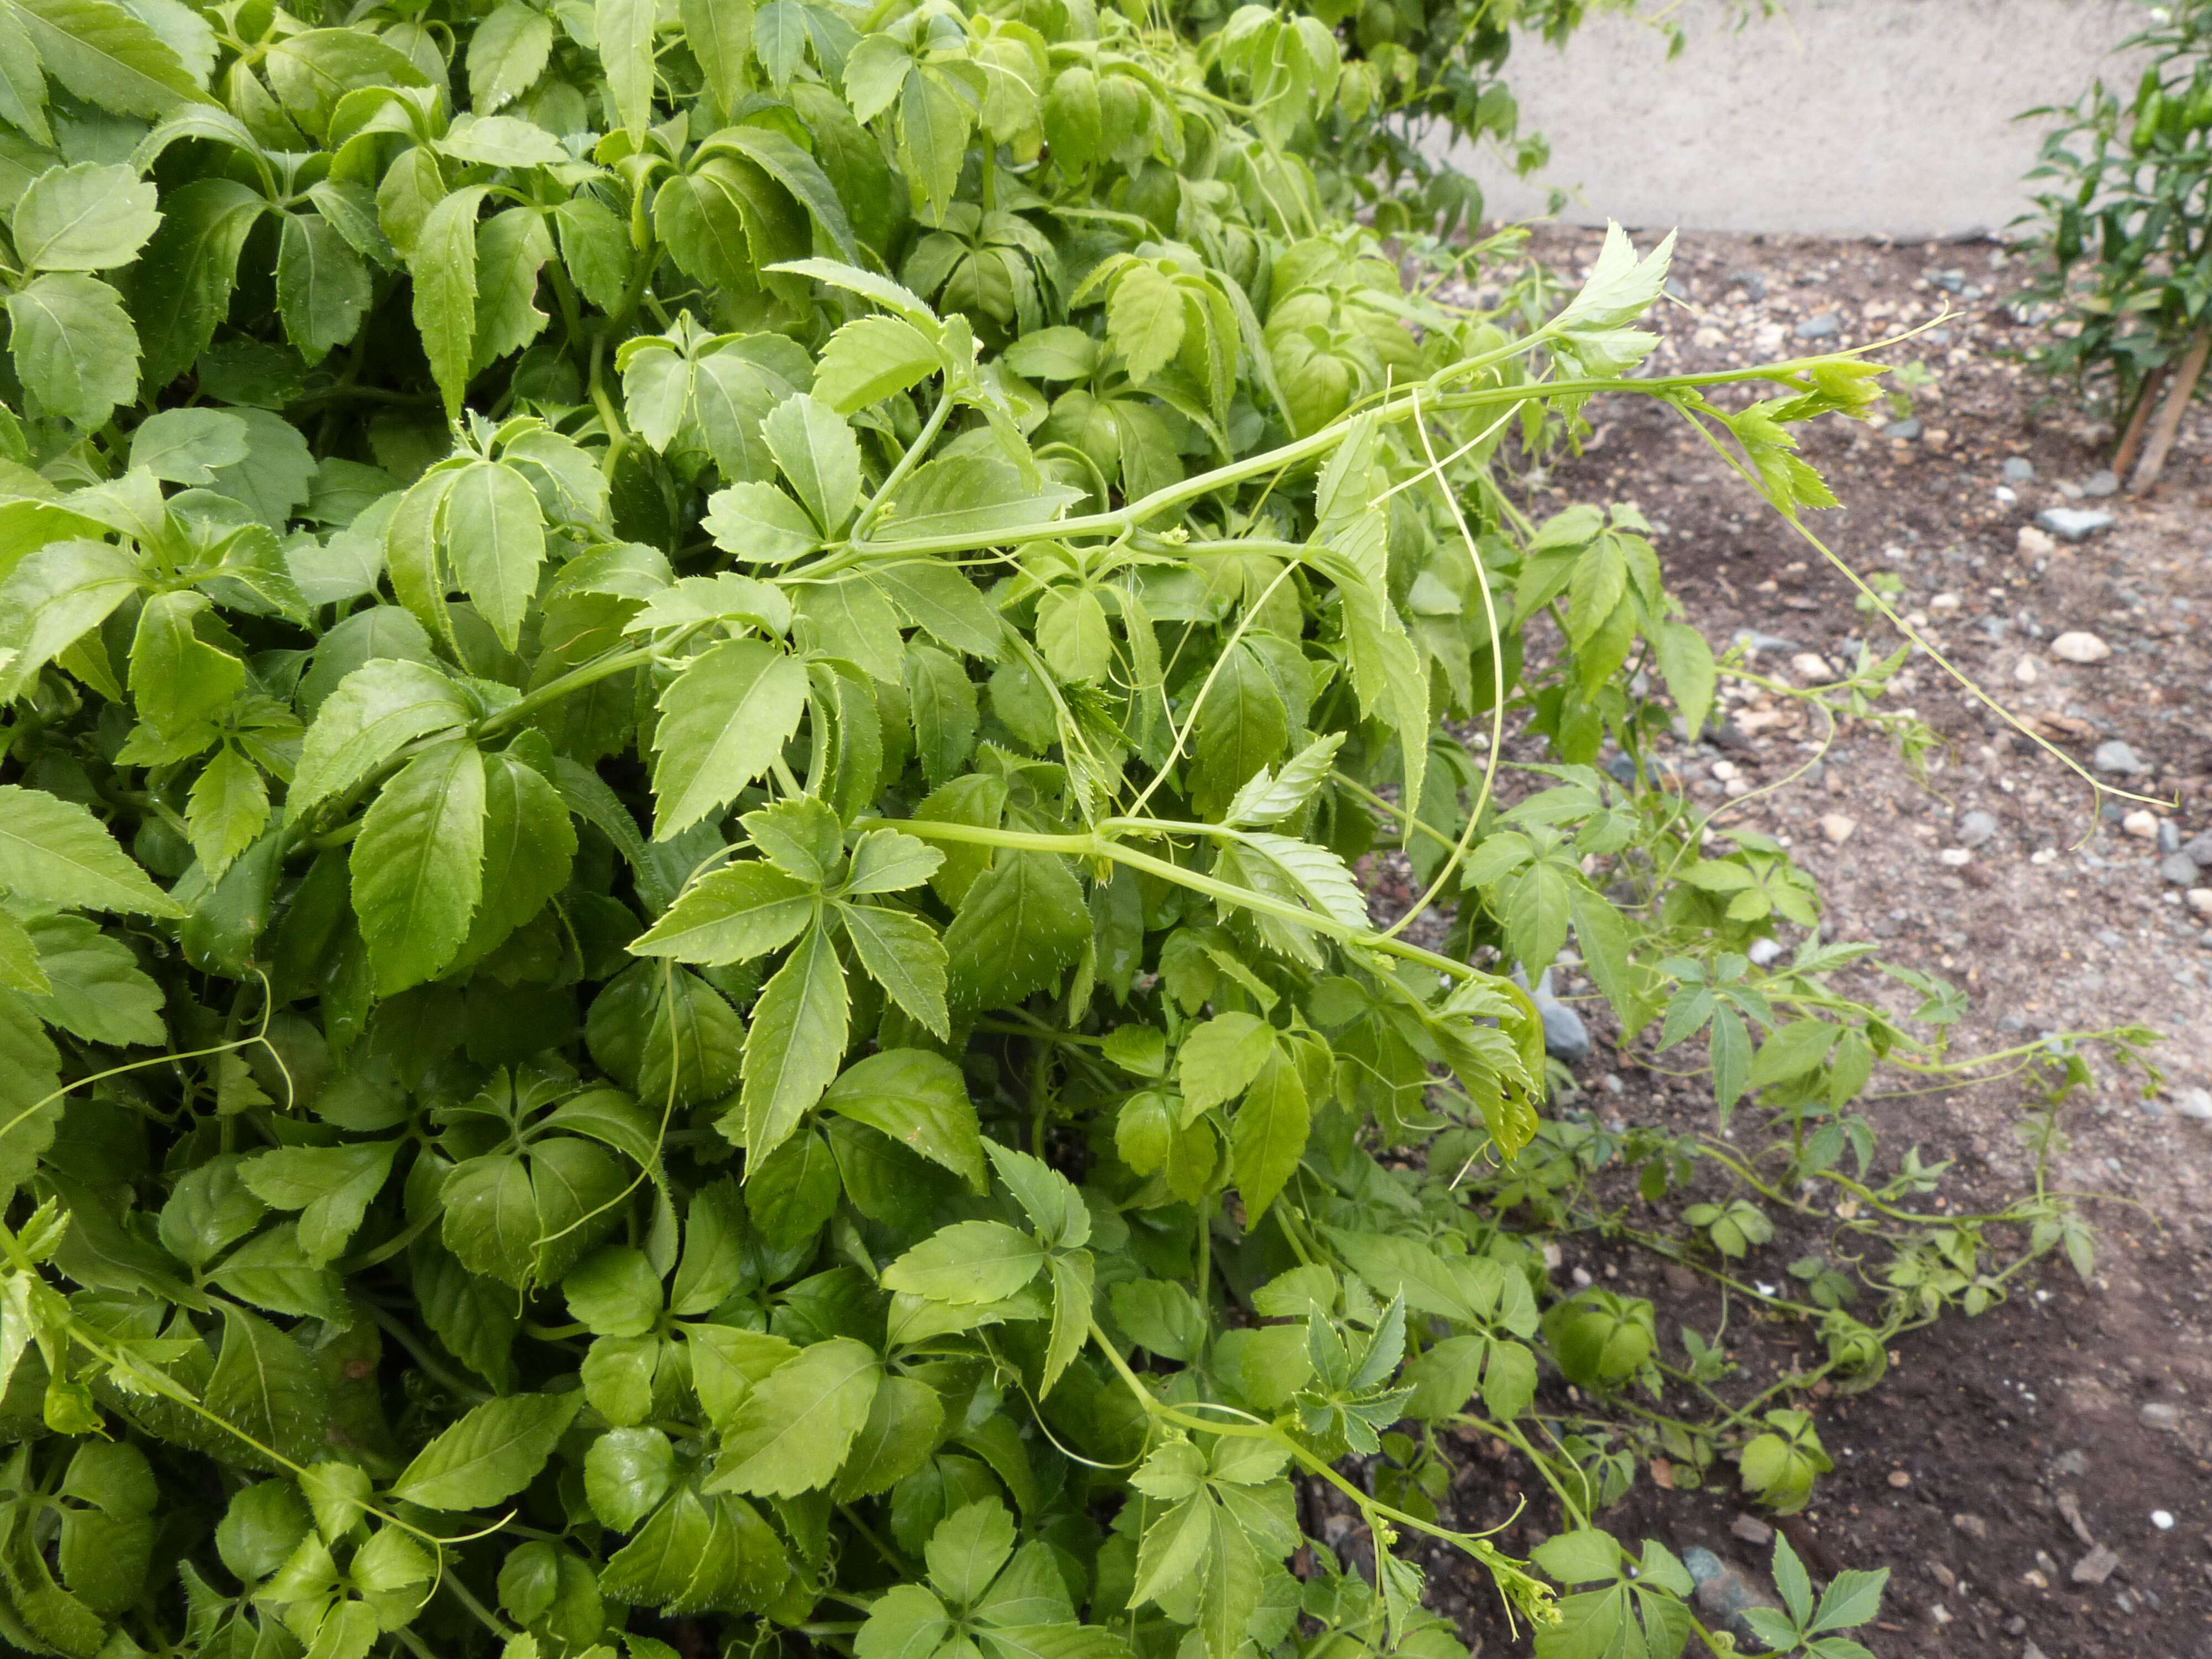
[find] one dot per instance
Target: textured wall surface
(1842, 118)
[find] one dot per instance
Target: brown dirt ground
(2030, 1421)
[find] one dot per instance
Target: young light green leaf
(722, 721)
(492, 1453)
(731, 914)
(969, 1262)
(86, 217)
(54, 853)
(791, 1432)
(916, 1098)
(801, 1027)
(418, 865)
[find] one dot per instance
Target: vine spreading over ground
(688, 691)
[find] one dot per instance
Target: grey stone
(2018, 469)
(1973, 1526)
(2178, 868)
(2072, 523)
(2199, 847)
(2101, 485)
(1751, 1530)
(2160, 1414)
(2098, 1565)
(2194, 1103)
(1905, 430)
(1937, 337)
(1758, 641)
(2169, 836)
(1976, 828)
(1950, 281)
(1566, 1039)
(1751, 283)
(1724, 1591)
(1821, 327)
(1622, 767)
(2113, 756)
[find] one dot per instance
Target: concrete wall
(1842, 117)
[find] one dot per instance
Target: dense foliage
(688, 691)
(2123, 226)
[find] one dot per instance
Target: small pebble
(2113, 756)
(2194, 1103)
(2026, 672)
(1751, 1530)
(2101, 485)
(2072, 523)
(2199, 847)
(2098, 1565)
(1903, 431)
(1837, 828)
(2200, 899)
(1955, 858)
(1973, 1526)
(1822, 327)
(1899, 1478)
(1808, 667)
(2179, 870)
(2034, 544)
(1943, 603)
(2019, 470)
(2140, 824)
(2162, 1519)
(2160, 1414)
(1976, 828)
(2077, 645)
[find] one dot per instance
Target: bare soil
(1999, 1450)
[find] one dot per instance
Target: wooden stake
(2168, 425)
(2131, 441)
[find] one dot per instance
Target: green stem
(906, 463)
(432, 1366)
(1102, 846)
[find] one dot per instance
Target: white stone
(2200, 899)
(1956, 858)
(1808, 667)
(2142, 824)
(2033, 544)
(1943, 603)
(2076, 646)
(2194, 1103)
(2026, 672)
(2072, 523)
(1724, 769)
(1837, 828)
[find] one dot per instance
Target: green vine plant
(690, 698)
(2118, 238)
